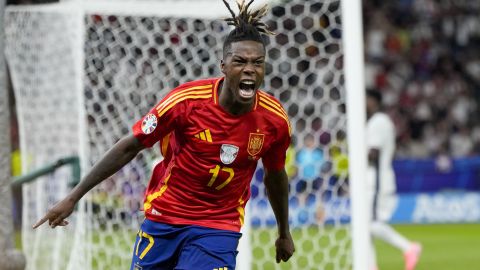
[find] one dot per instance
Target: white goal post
(84, 71)
(356, 111)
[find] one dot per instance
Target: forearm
(113, 160)
(276, 184)
(373, 156)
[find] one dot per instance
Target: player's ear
(222, 66)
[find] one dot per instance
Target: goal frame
(354, 83)
(356, 129)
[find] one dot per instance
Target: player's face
(244, 69)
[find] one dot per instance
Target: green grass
(445, 247)
(308, 254)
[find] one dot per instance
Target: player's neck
(370, 114)
(227, 101)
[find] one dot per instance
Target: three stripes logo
(204, 135)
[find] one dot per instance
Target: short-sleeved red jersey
(210, 155)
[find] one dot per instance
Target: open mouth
(247, 89)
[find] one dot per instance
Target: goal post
(10, 257)
(85, 71)
(356, 111)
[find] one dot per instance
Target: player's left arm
(374, 156)
(276, 184)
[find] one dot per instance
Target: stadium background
(422, 56)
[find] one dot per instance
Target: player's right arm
(146, 132)
(115, 158)
(375, 140)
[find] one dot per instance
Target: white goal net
(84, 73)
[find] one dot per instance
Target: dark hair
(375, 94)
(247, 24)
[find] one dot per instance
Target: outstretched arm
(115, 158)
(276, 184)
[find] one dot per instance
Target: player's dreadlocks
(247, 24)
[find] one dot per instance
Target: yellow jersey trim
(273, 103)
(173, 103)
(150, 197)
(275, 111)
(215, 91)
(184, 92)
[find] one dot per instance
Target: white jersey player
(381, 181)
(380, 175)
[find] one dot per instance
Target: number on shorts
(149, 246)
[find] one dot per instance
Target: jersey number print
(215, 172)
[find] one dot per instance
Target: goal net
(84, 72)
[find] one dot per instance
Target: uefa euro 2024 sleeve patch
(149, 123)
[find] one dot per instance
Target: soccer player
(381, 181)
(212, 132)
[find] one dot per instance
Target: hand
(284, 248)
(57, 214)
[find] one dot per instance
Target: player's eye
(238, 61)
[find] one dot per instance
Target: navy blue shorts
(186, 247)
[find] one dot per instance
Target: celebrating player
(212, 133)
(381, 180)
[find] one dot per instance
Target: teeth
(247, 88)
(248, 82)
(247, 94)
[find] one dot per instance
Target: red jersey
(210, 155)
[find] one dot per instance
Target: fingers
(284, 249)
(283, 256)
(57, 221)
(64, 223)
(40, 222)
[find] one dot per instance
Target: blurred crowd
(423, 55)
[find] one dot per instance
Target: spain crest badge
(255, 143)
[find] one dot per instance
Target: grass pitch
(445, 247)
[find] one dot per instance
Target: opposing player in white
(381, 181)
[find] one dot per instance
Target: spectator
(422, 56)
(309, 161)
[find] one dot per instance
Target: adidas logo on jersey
(204, 135)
